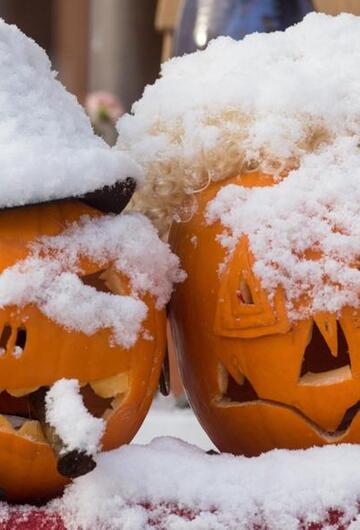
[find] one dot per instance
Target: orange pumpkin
(117, 383)
(255, 380)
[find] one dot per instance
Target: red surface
(43, 520)
(35, 520)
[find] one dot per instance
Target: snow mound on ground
(221, 492)
(47, 147)
(50, 276)
(280, 102)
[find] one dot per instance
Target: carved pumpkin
(117, 383)
(255, 380)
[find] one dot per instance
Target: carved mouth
(20, 417)
(243, 394)
(101, 397)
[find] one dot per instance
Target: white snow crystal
(47, 147)
(66, 412)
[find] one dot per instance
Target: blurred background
(118, 45)
(94, 44)
(107, 51)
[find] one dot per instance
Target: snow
(17, 352)
(165, 419)
(223, 491)
(173, 485)
(304, 231)
(49, 276)
(47, 147)
(267, 98)
(66, 412)
(130, 241)
(286, 103)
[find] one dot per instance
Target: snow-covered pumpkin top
(47, 147)
(285, 103)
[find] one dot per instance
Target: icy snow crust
(225, 492)
(49, 276)
(47, 147)
(280, 102)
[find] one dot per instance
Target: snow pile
(49, 276)
(304, 231)
(262, 102)
(47, 147)
(66, 412)
(280, 102)
(222, 492)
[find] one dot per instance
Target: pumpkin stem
(111, 199)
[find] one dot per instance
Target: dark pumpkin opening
(95, 280)
(21, 338)
(244, 293)
(318, 357)
(241, 393)
(23, 406)
(5, 336)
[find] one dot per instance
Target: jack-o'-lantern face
(256, 380)
(116, 383)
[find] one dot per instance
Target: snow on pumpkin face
(256, 378)
(40, 344)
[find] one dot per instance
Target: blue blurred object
(203, 20)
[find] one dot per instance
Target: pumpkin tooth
(107, 414)
(111, 386)
(223, 379)
(116, 402)
(327, 325)
(32, 429)
(5, 424)
(20, 392)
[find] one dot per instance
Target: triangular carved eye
(106, 281)
(243, 308)
(244, 293)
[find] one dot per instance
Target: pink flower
(103, 106)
